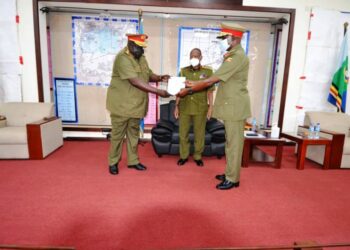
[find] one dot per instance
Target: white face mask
(225, 44)
(194, 62)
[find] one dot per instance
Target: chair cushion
(161, 134)
(337, 122)
(166, 125)
(175, 139)
(213, 125)
(218, 136)
(13, 135)
(346, 148)
(21, 113)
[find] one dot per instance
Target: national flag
(338, 89)
(142, 120)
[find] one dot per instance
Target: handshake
(176, 86)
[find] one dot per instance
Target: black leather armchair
(165, 135)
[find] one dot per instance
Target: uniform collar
(193, 69)
(233, 50)
(127, 51)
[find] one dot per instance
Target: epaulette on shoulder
(207, 67)
(186, 68)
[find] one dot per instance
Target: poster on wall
(96, 41)
(151, 117)
(66, 100)
(204, 39)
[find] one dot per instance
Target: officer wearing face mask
(127, 100)
(194, 109)
(232, 102)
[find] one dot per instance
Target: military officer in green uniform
(194, 110)
(232, 102)
(127, 100)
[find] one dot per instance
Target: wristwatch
(190, 91)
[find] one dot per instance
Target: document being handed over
(175, 84)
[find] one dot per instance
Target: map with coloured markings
(204, 39)
(96, 41)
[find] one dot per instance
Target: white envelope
(175, 84)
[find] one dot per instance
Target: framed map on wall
(204, 39)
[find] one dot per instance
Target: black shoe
(182, 161)
(227, 185)
(113, 169)
(199, 163)
(138, 166)
(220, 177)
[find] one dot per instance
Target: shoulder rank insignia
(207, 67)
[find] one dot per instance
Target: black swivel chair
(165, 134)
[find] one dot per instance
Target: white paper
(246, 134)
(175, 84)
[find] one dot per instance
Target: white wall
(302, 7)
(27, 44)
(302, 19)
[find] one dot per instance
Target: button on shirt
(232, 100)
(197, 103)
(123, 98)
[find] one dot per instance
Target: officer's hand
(163, 93)
(189, 84)
(209, 113)
(183, 92)
(164, 78)
(176, 112)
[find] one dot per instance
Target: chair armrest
(44, 120)
(166, 125)
(326, 131)
(44, 136)
(337, 145)
(214, 125)
(2, 121)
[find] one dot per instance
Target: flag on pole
(340, 80)
(140, 30)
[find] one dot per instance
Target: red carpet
(70, 199)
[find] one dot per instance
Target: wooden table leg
(278, 155)
(301, 155)
(246, 153)
(327, 156)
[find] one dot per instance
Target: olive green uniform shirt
(232, 102)
(197, 103)
(123, 99)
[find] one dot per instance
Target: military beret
(231, 29)
(139, 39)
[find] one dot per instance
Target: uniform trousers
(122, 126)
(199, 122)
(234, 133)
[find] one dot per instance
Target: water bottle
(317, 131)
(254, 125)
(275, 131)
(311, 131)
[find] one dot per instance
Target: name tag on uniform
(202, 76)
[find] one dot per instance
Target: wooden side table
(2, 121)
(252, 154)
(303, 142)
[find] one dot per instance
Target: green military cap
(231, 29)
